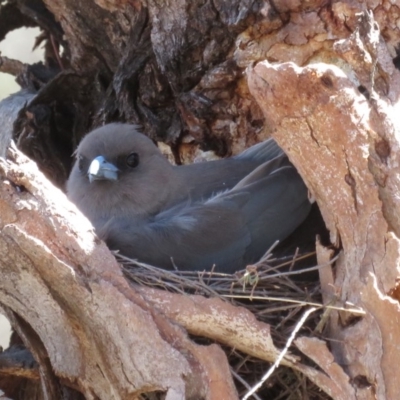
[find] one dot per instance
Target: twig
(54, 46)
(286, 300)
(11, 66)
(282, 353)
(243, 382)
(294, 259)
(299, 302)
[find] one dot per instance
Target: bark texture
(216, 75)
(347, 139)
(70, 291)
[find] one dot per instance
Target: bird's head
(118, 171)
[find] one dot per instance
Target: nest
(276, 292)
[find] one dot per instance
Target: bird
(221, 215)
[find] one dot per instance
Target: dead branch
(69, 289)
(335, 136)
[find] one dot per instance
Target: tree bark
(321, 78)
(337, 135)
(70, 290)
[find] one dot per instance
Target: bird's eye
(132, 160)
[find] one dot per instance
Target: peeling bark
(70, 290)
(328, 93)
(330, 132)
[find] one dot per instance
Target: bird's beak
(100, 169)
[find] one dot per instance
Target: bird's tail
(262, 152)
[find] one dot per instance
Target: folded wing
(229, 230)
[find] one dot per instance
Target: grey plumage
(226, 212)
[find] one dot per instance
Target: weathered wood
(99, 333)
(345, 146)
(176, 68)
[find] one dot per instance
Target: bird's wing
(261, 152)
(190, 236)
(228, 230)
(277, 205)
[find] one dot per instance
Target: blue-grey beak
(100, 169)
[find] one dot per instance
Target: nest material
(274, 291)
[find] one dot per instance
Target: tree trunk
(319, 77)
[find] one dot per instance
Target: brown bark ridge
(345, 145)
(99, 335)
(330, 98)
